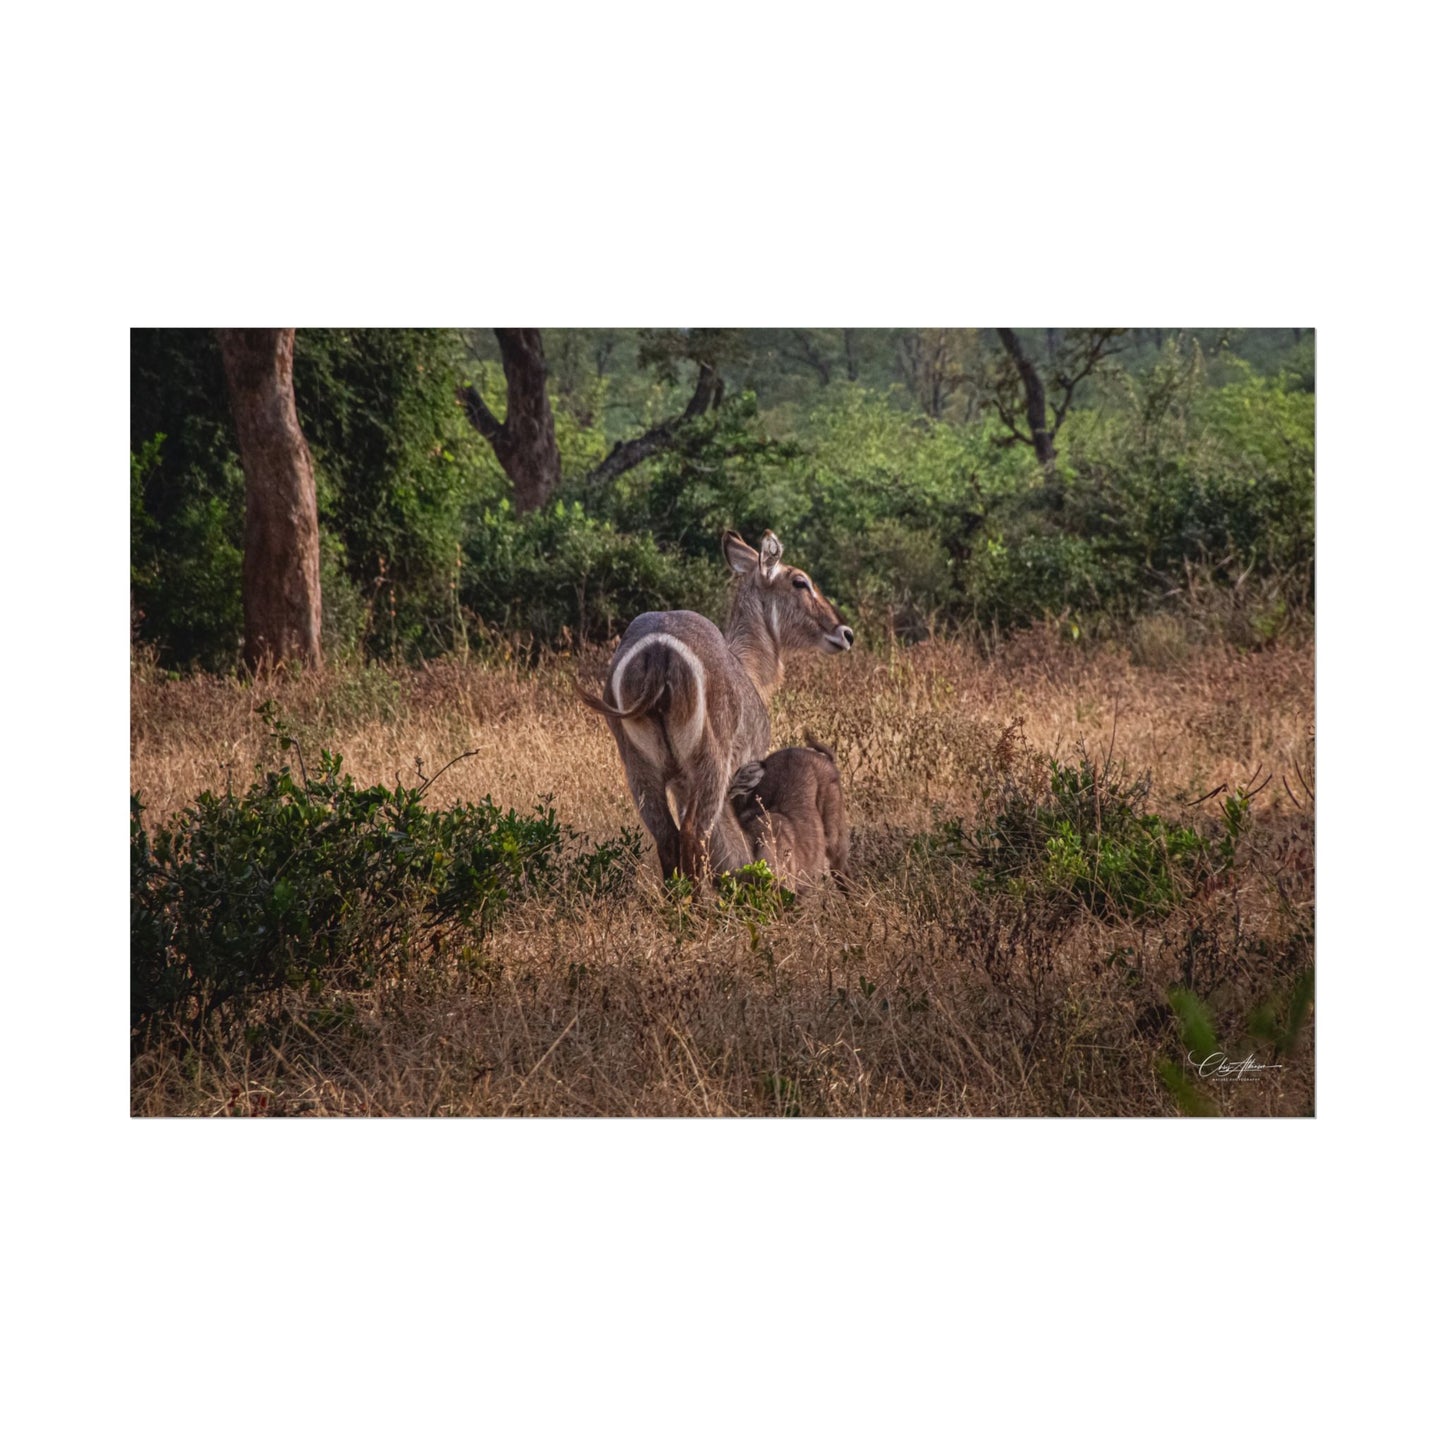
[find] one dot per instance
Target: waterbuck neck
(753, 642)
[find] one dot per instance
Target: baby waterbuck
(790, 806)
(687, 703)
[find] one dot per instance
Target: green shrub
(312, 879)
(607, 867)
(721, 470)
(187, 500)
(1089, 836)
(396, 465)
(185, 557)
(753, 891)
(558, 573)
(1278, 1020)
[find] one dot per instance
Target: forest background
(935, 481)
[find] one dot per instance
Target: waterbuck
(687, 703)
(790, 806)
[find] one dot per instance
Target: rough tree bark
(526, 442)
(281, 562)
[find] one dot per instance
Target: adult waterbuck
(687, 703)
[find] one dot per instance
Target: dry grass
(914, 995)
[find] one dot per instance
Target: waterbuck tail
(818, 747)
(642, 705)
(648, 675)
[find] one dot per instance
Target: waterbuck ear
(770, 554)
(741, 557)
(747, 777)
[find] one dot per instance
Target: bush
(396, 464)
(1170, 495)
(1088, 836)
(300, 881)
(753, 892)
(557, 574)
(607, 867)
(721, 470)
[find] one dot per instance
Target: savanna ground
(918, 993)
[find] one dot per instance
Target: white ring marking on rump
(687, 730)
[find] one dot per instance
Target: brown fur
(687, 704)
(790, 806)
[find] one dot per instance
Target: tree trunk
(806, 351)
(1035, 402)
(281, 564)
(526, 442)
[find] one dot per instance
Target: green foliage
(187, 500)
(1278, 1020)
(1196, 1030)
(678, 890)
(892, 501)
(753, 891)
(303, 880)
(607, 867)
(1183, 488)
(396, 465)
(1191, 1101)
(722, 470)
(142, 526)
(1172, 484)
(1089, 837)
(557, 574)
(1197, 1037)
(667, 351)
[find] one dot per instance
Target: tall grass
(929, 989)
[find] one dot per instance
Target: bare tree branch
(1097, 350)
(706, 396)
(479, 413)
(1077, 357)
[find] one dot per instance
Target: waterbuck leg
(652, 805)
(700, 817)
(728, 847)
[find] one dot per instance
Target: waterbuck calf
(790, 806)
(687, 704)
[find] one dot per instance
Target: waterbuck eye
(801, 582)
